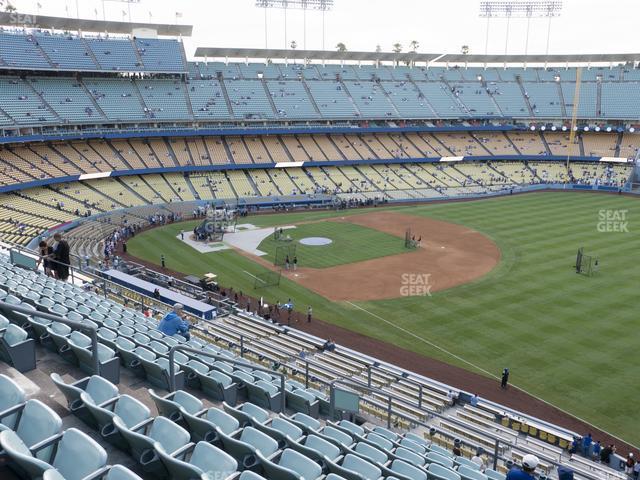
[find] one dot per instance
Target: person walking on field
(286, 263)
(295, 263)
(309, 312)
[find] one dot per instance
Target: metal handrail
(496, 454)
(71, 323)
(182, 348)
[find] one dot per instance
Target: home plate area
(247, 237)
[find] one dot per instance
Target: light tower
(304, 5)
(520, 9)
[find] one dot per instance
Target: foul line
(244, 271)
(457, 357)
(424, 340)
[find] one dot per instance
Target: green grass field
(569, 339)
(348, 240)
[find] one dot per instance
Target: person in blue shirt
(586, 445)
(597, 448)
(529, 464)
(173, 323)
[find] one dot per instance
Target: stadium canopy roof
(242, 53)
(20, 20)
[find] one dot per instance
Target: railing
(498, 443)
(182, 348)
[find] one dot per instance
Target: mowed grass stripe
(567, 338)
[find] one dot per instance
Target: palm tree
(341, 47)
(414, 46)
(378, 48)
(465, 49)
(294, 44)
(397, 47)
(10, 8)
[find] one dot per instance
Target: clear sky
(440, 26)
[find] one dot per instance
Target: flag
(178, 14)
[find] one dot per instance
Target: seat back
(178, 469)
(101, 390)
(78, 455)
(187, 401)
(222, 420)
(442, 473)
(259, 441)
(295, 461)
(286, 428)
(351, 427)
(322, 446)
(469, 473)
(388, 434)
(273, 471)
(14, 335)
(170, 435)
(79, 339)
(19, 453)
(37, 423)
(410, 456)
(131, 411)
(256, 413)
(433, 457)
(365, 469)
(118, 472)
(337, 435)
(10, 395)
(372, 453)
(213, 461)
(403, 468)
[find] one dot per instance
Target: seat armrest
(12, 410)
(182, 451)
(47, 442)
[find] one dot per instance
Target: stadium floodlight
(520, 9)
(304, 5)
(523, 9)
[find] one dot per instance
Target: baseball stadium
(297, 262)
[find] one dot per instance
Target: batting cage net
(586, 264)
(268, 279)
(283, 253)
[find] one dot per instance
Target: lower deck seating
(201, 427)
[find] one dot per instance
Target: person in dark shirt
(46, 253)
(328, 346)
(505, 378)
(61, 257)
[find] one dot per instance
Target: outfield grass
(570, 339)
(351, 243)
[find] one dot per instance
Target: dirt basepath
(449, 255)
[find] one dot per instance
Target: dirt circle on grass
(449, 255)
